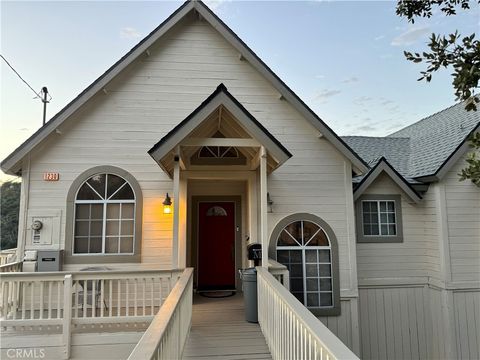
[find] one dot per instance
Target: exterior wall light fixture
(269, 203)
(167, 204)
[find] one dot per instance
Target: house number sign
(51, 176)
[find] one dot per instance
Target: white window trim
(379, 212)
(304, 247)
(105, 202)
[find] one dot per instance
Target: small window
(379, 218)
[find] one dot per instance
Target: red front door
(216, 245)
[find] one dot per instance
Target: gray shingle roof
(421, 148)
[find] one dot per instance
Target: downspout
(25, 191)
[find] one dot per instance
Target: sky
(343, 58)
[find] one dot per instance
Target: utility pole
(44, 100)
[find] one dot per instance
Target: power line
(15, 71)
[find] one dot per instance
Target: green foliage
(450, 51)
(9, 208)
(460, 53)
(472, 171)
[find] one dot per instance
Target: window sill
(101, 258)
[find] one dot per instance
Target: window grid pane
(379, 218)
(103, 225)
(310, 266)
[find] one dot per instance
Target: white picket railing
(279, 272)
(166, 336)
(290, 330)
(11, 267)
(67, 300)
(8, 256)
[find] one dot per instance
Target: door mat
(217, 293)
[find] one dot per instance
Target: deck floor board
(220, 331)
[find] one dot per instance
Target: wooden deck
(220, 331)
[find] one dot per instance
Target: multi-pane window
(379, 218)
(104, 216)
(303, 247)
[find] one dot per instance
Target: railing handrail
(5, 268)
(150, 340)
(273, 264)
(315, 327)
(91, 275)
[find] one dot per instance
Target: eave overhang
(163, 151)
(383, 166)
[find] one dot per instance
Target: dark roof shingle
(423, 147)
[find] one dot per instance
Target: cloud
(129, 33)
(362, 100)
(319, 76)
(394, 126)
(386, 102)
(410, 36)
(325, 94)
(366, 128)
(214, 4)
(352, 79)
(380, 37)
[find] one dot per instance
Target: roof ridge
(375, 137)
(425, 118)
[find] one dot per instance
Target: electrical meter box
(43, 229)
(49, 260)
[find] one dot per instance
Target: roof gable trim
(13, 159)
(221, 96)
(384, 166)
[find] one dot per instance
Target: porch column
(263, 206)
(176, 210)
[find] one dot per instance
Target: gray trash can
(249, 286)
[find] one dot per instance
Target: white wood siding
(150, 98)
(417, 255)
(344, 326)
(401, 323)
(467, 323)
(463, 215)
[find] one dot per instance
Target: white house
(381, 240)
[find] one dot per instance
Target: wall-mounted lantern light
(167, 204)
(269, 203)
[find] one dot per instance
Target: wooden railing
(279, 272)
(8, 256)
(290, 330)
(166, 336)
(11, 267)
(82, 298)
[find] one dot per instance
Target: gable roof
(220, 97)
(11, 164)
(436, 138)
(383, 166)
(425, 150)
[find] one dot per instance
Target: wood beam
(236, 142)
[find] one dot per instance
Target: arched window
(104, 212)
(306, 246)
(104, 216)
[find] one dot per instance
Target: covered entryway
(220, 141)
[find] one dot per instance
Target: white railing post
(67, 314)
